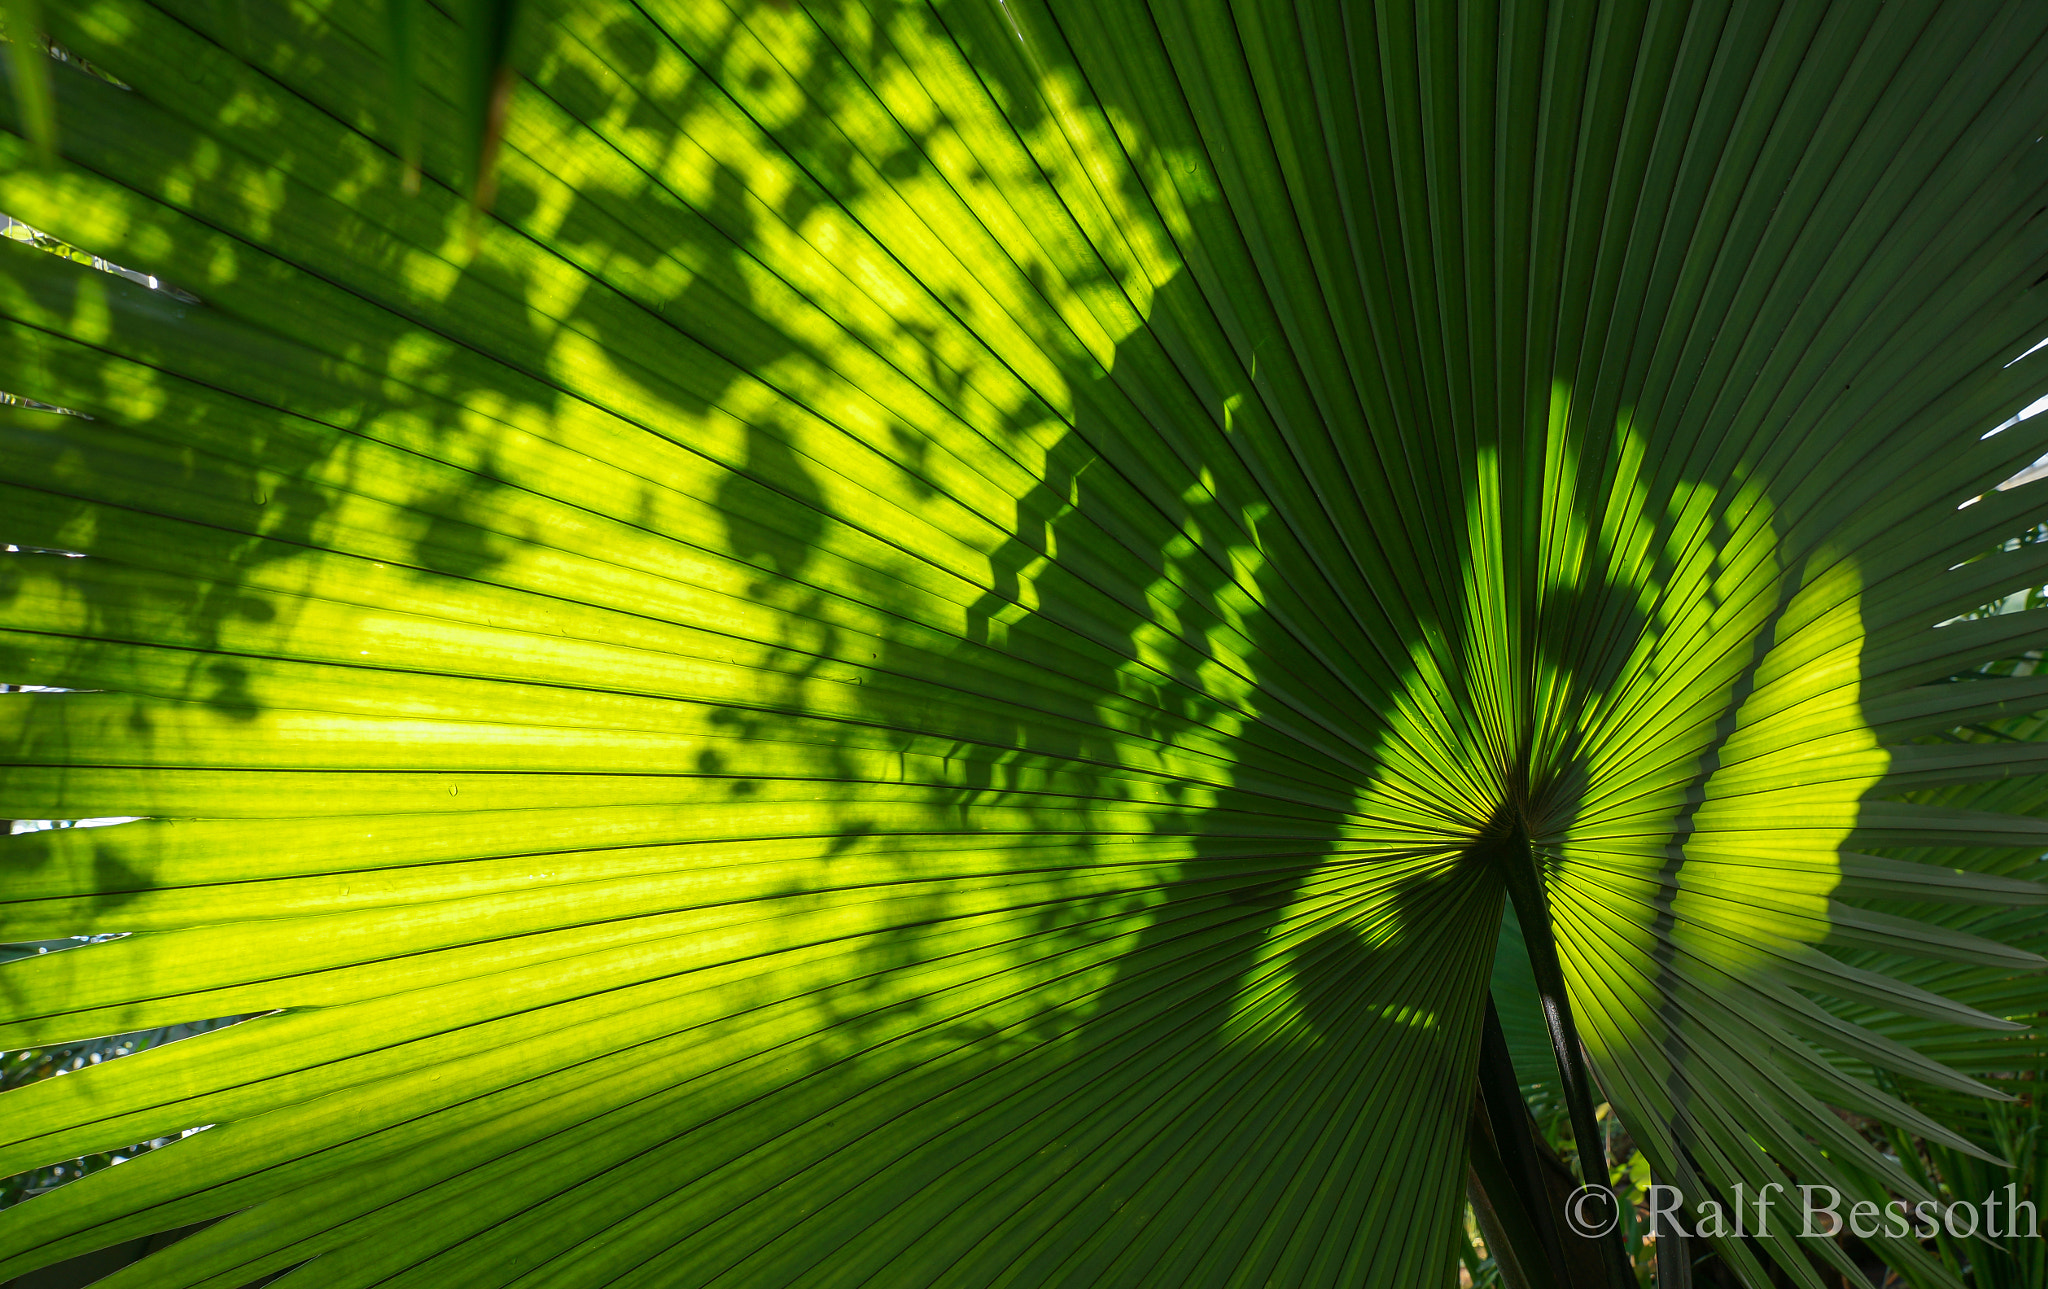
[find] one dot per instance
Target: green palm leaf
(912, 662)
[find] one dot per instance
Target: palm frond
(912, 661)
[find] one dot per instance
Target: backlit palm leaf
(905, 667)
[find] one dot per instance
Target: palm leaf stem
(1674, 1260)
(1516, 862)
(486, 51)
(1514, 1228)
(1511, 1138)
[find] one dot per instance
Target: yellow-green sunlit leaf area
(901, 652)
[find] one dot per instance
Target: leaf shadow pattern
(393, 483)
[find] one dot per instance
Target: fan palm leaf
(929, 655)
